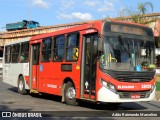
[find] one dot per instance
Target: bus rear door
(34, 65)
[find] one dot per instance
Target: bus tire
(70, 94)
(21, 86)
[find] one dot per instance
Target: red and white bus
(100, 61)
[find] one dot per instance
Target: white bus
(16, 64)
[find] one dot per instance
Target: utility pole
(29, 7)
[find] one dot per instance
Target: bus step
(33, 91)
(88, 99)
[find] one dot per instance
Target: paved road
(10, 100)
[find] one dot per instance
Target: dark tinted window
(24, 52)
(35, 49)
(72, 47)
(1, 51)
(46, 50)
(15, 53)
(58, 50)
(7, 54)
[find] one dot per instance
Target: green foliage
(138, 15)
(143, 7)
(157, 86)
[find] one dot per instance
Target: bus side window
(15, 53)
(72, 47)
(24, 52)
(58, 49)
(7, 54)
(46, 49)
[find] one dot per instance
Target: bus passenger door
(88, 71)
(35, 49)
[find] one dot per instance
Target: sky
(54, 12)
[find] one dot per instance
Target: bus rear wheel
(70, 94)
(21, 86)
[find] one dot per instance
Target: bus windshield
(125, 54)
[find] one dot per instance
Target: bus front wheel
(21, 86)
(70, 94)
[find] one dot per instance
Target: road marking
(152, 104)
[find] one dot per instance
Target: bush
(158, 85)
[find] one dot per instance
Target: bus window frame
(50, 59)
(14, 53)
(66, 47)
(7, 54)
(24, 52)
(53, 47)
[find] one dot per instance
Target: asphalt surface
(11, 100)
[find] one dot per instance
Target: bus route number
(146, 86)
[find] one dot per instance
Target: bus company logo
(6, 114)
(125, 86)
(51, 86)
(22, 115)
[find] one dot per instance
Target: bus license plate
(135, 96)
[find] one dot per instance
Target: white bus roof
(18, 41)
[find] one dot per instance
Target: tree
(143, 7)
(138, 16)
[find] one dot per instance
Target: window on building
(1, 51)
(7, 54)
(24, 52)
(72, 48)
(46, 49)
(58, 50)
(15, 53)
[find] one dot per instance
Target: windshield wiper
(122, 43)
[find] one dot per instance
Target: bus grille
(132, 76)
(128, 94)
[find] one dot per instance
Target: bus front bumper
(106, 95)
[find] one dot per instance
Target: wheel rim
(71, 93)
(20, 85)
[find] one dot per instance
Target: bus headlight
(104, 83)
(108, 85)
(153, 87)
